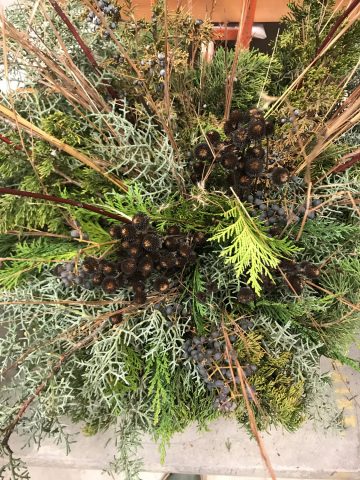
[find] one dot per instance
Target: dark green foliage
(212, 259)
(251, 79)
(305, 28)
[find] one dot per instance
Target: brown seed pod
(310, 270)
(240, 137)
(140, 222)
(246, 295)
(128, 232)
(162, 284)
(167, 261)
(235, 115)
(229, 160)
(269, 128)
(257, 152)
(280, 175)
(296, 282)
(115, 232)
(173, 230)
(244, 181)
(116, 318)
(213, 137)
(199, 238)
(256, 128)
(171, 243)
(289, 266)
(134, 251)
(254, 166)
(140, 298)
(97, 278)
(138, 286)
(126, 244)
(229, 126)
(109, 285)
(151, 242)
(180, 262)
(145, 267)
(203, 152)
(256, 113)
(108, 268)
(129, 266)
(90, 265)
(185, 250)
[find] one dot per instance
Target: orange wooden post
(230, 33)
(246, 36)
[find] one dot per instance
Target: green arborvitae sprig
(249, 249)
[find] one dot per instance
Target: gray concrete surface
(226, 449)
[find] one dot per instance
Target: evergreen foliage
(251, 251)
(112, 111)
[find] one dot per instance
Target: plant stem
(336, 25)
(67, 201)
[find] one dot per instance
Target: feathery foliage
(125, 114)
(251, 250)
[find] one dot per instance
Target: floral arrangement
(178, 236)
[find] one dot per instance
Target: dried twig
(251, 415)
(101, 323)
(32, 129)
(339, 21)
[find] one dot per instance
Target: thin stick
(308, 198)
(67, 201)
(251, 415)
(55, 369)
(336, 25)
(337, 297)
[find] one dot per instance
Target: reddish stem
(76, 35)
(9, 142)
(88, 53)
(248, 24)
(67, 201)
(344, 166)
(336, 25)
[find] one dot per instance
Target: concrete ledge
(226, 449)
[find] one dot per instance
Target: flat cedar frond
(141, 169)
(250, 250)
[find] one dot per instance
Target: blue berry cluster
(110, 11)
(68, 276)
(154, 69)
(273, 213)
(291, 118)
(213, 365)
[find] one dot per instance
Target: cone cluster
(144, 260)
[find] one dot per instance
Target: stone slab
(226, 449)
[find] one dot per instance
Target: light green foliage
(33, 256)
(251, 250)
(63, 127)
(159, 384)
(280, 394)
(134, 201)
(21, 214)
